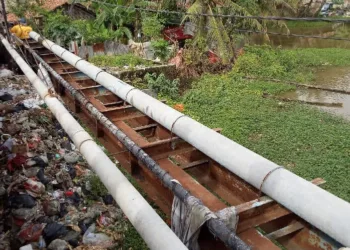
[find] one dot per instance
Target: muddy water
(289, 42)
(330, 77)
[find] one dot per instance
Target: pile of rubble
(49, 197)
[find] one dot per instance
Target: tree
(218, 31)
(24, 8)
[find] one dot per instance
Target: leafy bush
(162, 85)
(97, 187)
(59, 26)
(294, 65)
(160, 48)
(91, 33)
(263, 61)
(119, 61)
(152, 26)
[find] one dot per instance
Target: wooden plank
(293, 227)
(195, 164)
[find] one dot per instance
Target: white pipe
(315, 205)
(147, 222)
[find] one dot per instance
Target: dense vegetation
(127, 60)
(307, 141)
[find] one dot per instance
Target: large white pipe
(315, 205)
(147, 222)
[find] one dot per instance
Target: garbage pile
(49, 199)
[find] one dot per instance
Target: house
(75, 11)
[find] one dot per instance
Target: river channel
(328, 77)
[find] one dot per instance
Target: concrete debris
(49, 202)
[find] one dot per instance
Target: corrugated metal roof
(53, 4)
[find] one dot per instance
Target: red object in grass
(175, 33)
(213, 58)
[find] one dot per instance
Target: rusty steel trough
(263, 223)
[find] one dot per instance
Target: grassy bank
(307, 141)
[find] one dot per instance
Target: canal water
(328, 77)
(290, 42)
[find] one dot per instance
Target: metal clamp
(126, 96)
(266, 176)
(81, 59)
(63, 52)
(83, 143)
(172, 127)
(98, 74)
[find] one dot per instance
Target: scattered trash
(108, 199)
(5, 73)
(58, 245)
(99, 239)
(26, 247)
(53, 231)
(51, 207)
(71, 157)
(44, 183)
(34, 188)
(31, 233)
(21, 201)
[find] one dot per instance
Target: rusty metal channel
(263, 224)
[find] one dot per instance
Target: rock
(71, 157)
(58, 245)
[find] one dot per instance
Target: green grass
(307, 24)
(119, 61)
(292, 65)
(305, 140)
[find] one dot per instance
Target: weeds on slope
(308, 142)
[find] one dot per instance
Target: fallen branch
(325, 104)
(300, 85)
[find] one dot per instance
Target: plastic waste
(53, 231)
(31, 233)
(24, 213)
(16, 162)
(6, 97)
(34, 188)
(31, 172)
(21, 201)
(41, 176)
(51, 207)
(4, 73)
(99, 239)
(41, 243)
(33, 103)
(26, 247)
(72, 238)
(71, 157)
(108, 199)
